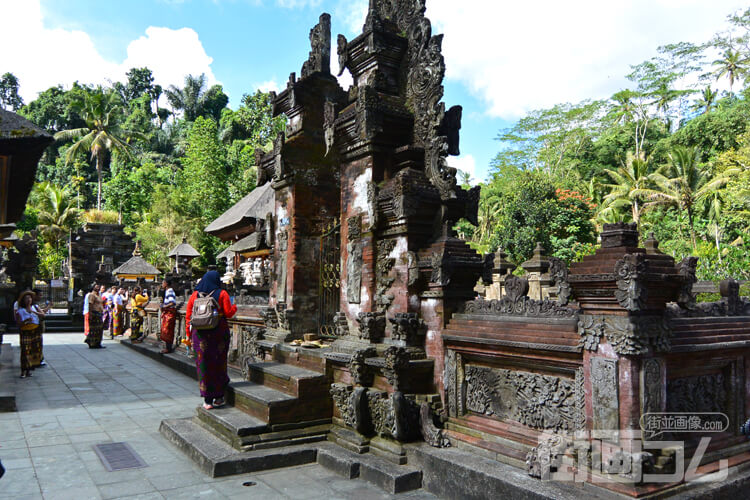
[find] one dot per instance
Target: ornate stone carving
(604, 394)
(340, 324)
(686, 267)
(360, 372)
(450, 127)
(630, 293)
(652, 400)
(441, 268)
(628, 336)
(558, 273)
(547, 457)
(700, 393)
(283, 244)
(407, 327)
(580, 402)
(371, 325)
(269, 229)
(450, 383)
(538, 401)
(329, 120)
(354, 261)
(405, 203)
(279, 166)
(430, 432)
(250, 350)
(270, 319)
(343, 54)
(319, 59)
(381, 413)
(516, 303)
(383, 266)
(396, 363)
(405, 417)
(372, 206)
(441, 175)
(342, 398)
(412, 264)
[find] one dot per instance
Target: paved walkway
(86, 397)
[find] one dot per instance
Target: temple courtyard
(86, 397)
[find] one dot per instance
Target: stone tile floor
(85, 397)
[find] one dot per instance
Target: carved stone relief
(652, 376)
(412, 264)
(628, 336)
(279, 169)
(341, 325)
(371, 326)
(250, 350)
(283, 242)
(361, 373)
(329, 121)
(396, 364)
(407, 327)
(450, 383)
(538, 401)
(372, 205)
(432, 435)
(630, 293)
(354, 261)
(558, 273)
(701, 393)
(383, 266)
(517, 303)
(604, 394)
(319, 59)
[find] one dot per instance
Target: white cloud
(42, 57)
(269, 86)
(519, 56)
(465, 163)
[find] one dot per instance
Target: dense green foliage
(119, 156)
(671, 156)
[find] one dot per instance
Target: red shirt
(226, 308)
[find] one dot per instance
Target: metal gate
(330, 278)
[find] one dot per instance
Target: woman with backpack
(206, 317)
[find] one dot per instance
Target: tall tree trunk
(99, 179)
(692, 229)
(636, 212)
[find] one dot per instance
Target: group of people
(29, 313)
(106, 308)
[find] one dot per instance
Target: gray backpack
(205, 314)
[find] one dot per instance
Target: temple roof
(227, 253)
(184, 249)
(136, 265)
(15, 126)
(252, 242)
(255, 205)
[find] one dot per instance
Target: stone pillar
(536, 274)
(501, 269)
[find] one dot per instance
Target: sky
(504, 58)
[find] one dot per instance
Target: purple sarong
(211, 349)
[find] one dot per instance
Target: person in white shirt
(28, 324)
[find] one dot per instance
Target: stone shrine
(422, 383)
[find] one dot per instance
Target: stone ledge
(9, 371)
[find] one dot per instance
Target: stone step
(390, 477)
(216, 458)
(245, 432)
(276, 407)
(290, 379)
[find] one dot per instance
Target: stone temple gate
(363, 250)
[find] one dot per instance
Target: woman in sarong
(118, 316)
(137, 313)
(94, 338)
(28, 324)
(168, 316)
(41, 311)
(211, 346)
(106, 309)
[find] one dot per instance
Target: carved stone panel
(371, 326)
(604, 394)
(449, 383)
(630, 293)
(652, 395)
(538, 401)
(383, 267)
(354, 272)
(701, 393)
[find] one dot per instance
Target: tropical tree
(57, 212)
(706, 100)
(101, 110)
(629, 180)
(685, 182)
(194, 100)
(9, 92)
(732, 64)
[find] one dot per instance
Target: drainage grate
(118, 456)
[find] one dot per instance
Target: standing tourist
(211, 344)
(137, 313)
(96, 308)
(41, 311)
(106, 309)
(86, 313)
(168, 315)
(28, 324)
(118, 316)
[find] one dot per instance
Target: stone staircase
(280, 417)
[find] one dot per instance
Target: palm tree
(194, 100)
(707, 100)
(57, 214)
(628, 181)
(685, 183)
(101, 110)
(732, 64)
